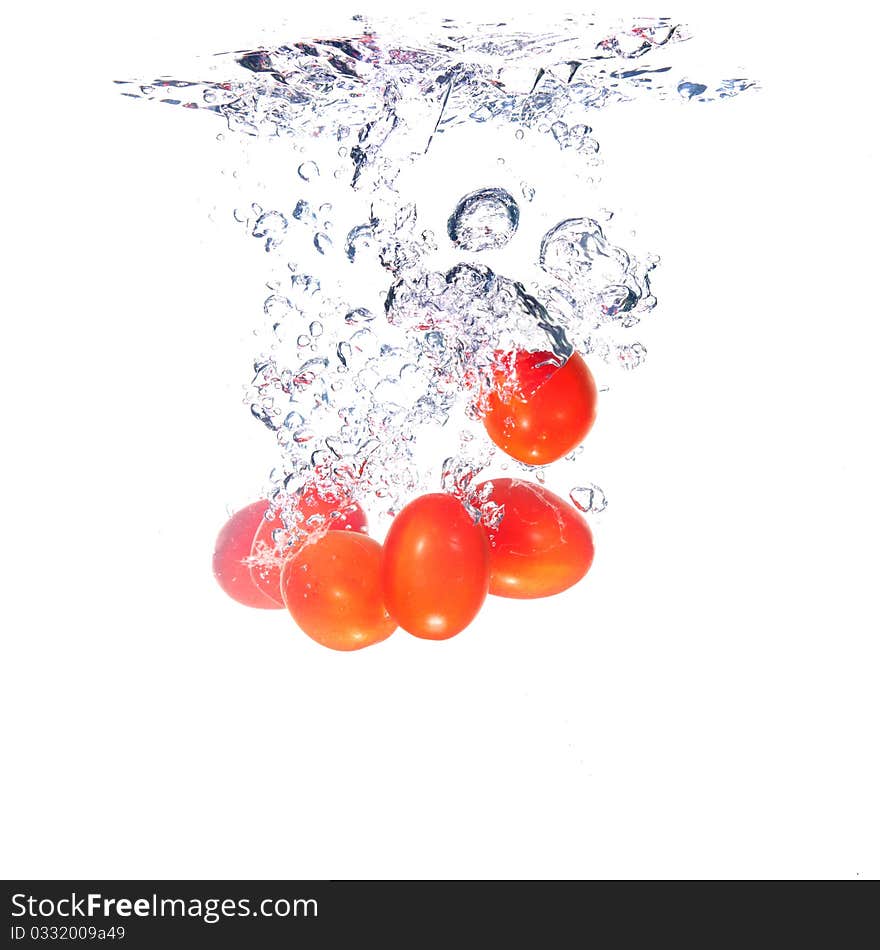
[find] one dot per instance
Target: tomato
(324, 511)
(539, 411)
(231, 550)
(541, 547)
(332, 589)
(435, 567)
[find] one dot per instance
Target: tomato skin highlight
(266, 572)
(332, 589)
(231, 550)
(542, 546)
(539, 411)
(435, 567)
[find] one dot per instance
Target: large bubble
(483, 220)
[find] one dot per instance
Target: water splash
(377, 345)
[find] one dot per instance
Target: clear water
(377, 331)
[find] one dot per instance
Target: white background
(704, 705)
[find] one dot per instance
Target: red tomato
(231, 550)
(541, 547)
(327, 512)
(435, 567)
(539, 411)
(332, 589)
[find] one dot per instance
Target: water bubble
(527, 191)
(588, 498)
(560, 133)
(492, 514)
(322, 242)
(359, 315)
(308, 170)
(305, 285)
(270, 225)
(316, 328)
(576, 250)
(483, 220)
(631, 355)
(690, 89)
(302, 211)
(358, 238)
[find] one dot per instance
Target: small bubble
(322, 242)
(631, 355)
(358, 316)
(560, 133)
(276, 307)
(687, 90)
(308, 170)
(302, 210)
(520, 134)
(527, 191)
(269, 224)
(358, 239)
(316, 328)
(588, 498)
(220, 137)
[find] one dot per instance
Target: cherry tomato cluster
(436, 567)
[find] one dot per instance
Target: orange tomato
(325, 511)
(539, 411)
(332, 589)
(231, 551)
(541, 547)
(435, 567)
